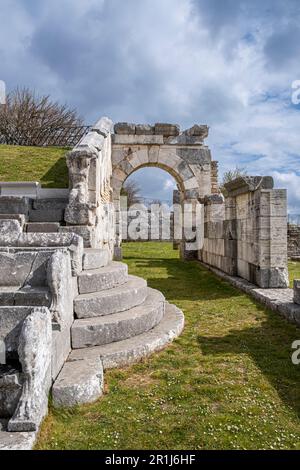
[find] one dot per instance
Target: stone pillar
(256, 221)
(213, 251)
(230, 237)
(193, 234)
(176, 201)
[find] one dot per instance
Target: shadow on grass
(57, 176)
(269, 346)
(189, 283)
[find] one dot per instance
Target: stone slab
(19, 217)
(15, 440)
(124, 128)
(42, 227)
(118, 139)
(46, 215)
(10, 389)
(166, 129)
(11, 322)
(144, 129)
(9, 226)
(118, 299)
(33, 296)
(14, 205)
(94, 259)
(119, 326)
(96, 280)
(80, 381)
(132, 350)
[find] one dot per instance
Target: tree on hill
(28, 119)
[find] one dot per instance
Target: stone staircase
(118, 321)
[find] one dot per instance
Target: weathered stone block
(23, 268)
(79, 382)
(49, 215)
(194, 156)
(118, 139)
(9, 226)
(198, 130)
(14, 205)
(77, 214)
(273, 278)
(184, 171)
(18, 217)
(11, 321)
(144, 129)
(296, 289)
(95, 258)
(167, 129)
(246, 184)
(103, 278)
(42, 227)
(124, 128)
(10, 390)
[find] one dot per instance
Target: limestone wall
(90, 212)
(293, 234)
(246, 234)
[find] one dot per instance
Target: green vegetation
(227, 383)
(294, 271)
(44, 164)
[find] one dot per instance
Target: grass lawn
(294, 271)
(227, 383)
(44, 164)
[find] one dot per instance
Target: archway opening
(148, 198)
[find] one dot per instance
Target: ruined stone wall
(214, 251)
(90, 212)
(246, 236)
(293, 235)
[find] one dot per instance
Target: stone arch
(127, 160)
(132, 159)
(183, 154)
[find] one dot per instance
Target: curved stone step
(119, 326)
(96, 280)
(118, 299)
(94, 259)
(80, 381)
(134, 349)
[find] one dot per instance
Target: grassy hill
(44, 164)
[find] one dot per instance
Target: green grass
(294, 271)
(227, 383)
(44, 164)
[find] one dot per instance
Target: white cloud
(169, 184)
(228, 64)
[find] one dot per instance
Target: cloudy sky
(227, 63)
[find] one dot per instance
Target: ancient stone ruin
(69, 310)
